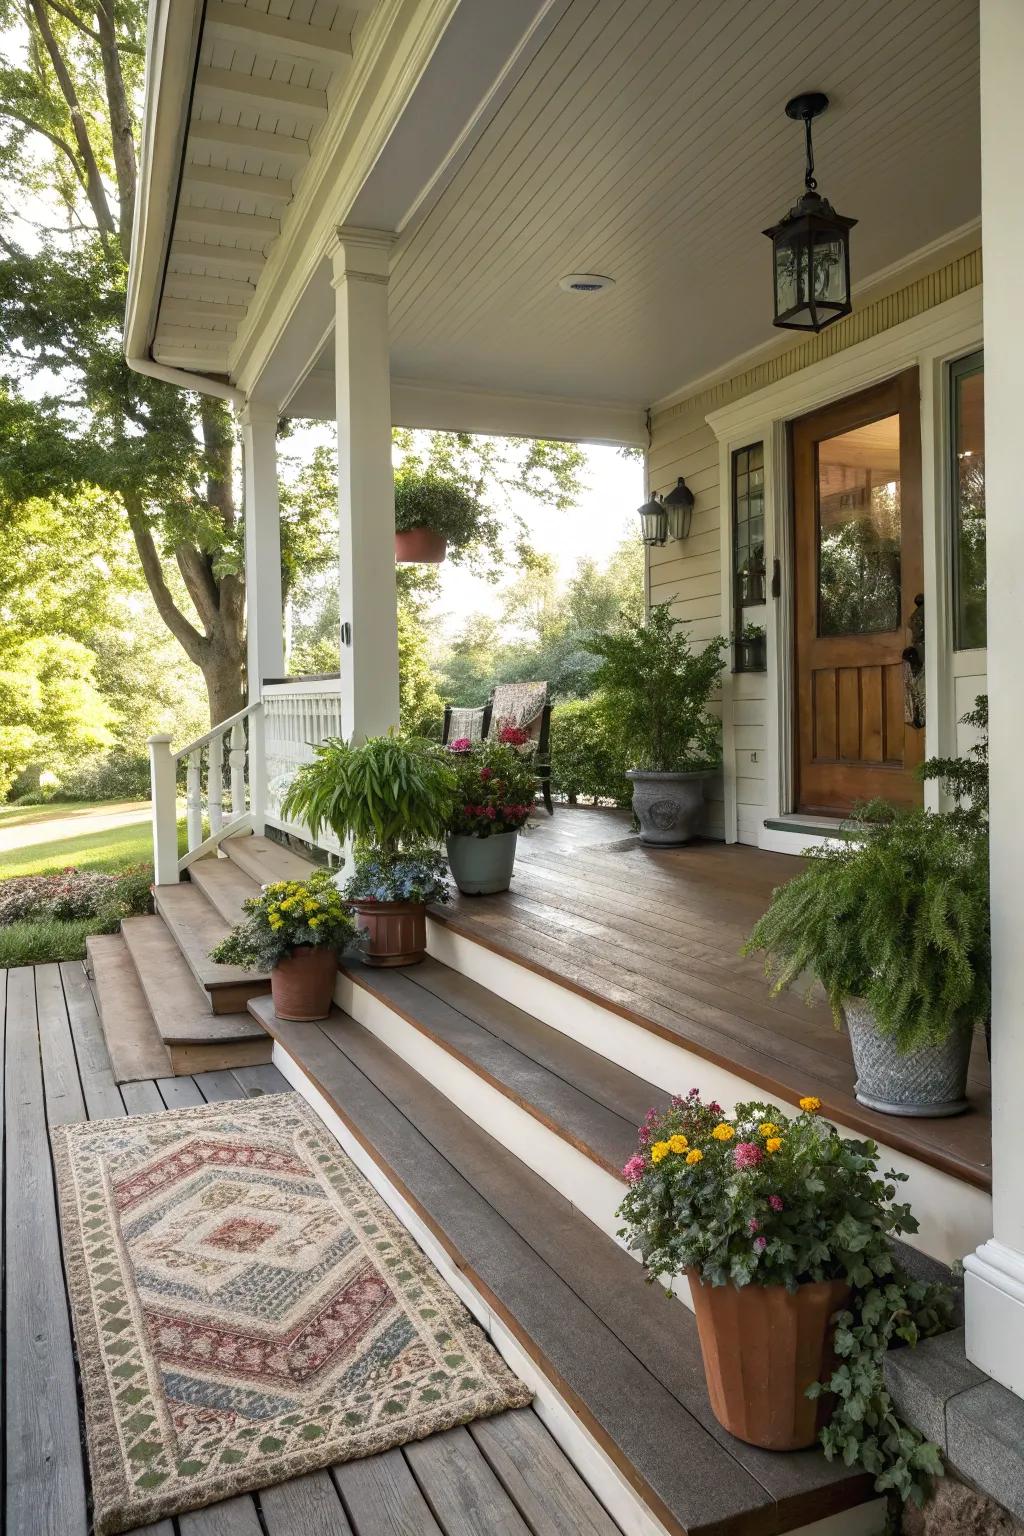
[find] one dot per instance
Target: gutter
(173, 32)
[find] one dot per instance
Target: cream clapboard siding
(690, 576)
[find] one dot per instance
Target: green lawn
(15, 815)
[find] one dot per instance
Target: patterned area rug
(247, 1309)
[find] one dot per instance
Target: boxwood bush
(587, 760)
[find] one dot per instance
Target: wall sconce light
(810, 245)
(653, 521)
(679, 507)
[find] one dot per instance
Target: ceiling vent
(585, 282)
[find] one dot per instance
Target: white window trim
(930, 342)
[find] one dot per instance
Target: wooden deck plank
(263, 1079)
(63, 1091)
(141, 1098)
(45, 1479)
(461, 1489)
(215, 1086)
(99, 1088)
(179, 1092)
(546, 1488)
(305, 1506)
(233, 1517)
(382, 1498)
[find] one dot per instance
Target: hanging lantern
(679, 509)
(810, 245)
(653, 521)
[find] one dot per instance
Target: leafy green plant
(389, 794)
(587, 753)
(899, 918)
(496, 786)
(419, 874)
(765, 1198)
(752, 632)
(965, 779)
(285, 915)
(657, 690)
(427, 498)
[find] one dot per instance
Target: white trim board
(928, 342)
(955, 1217)
(590, 1459)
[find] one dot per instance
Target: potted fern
(895, 927)
(433, 511)
(393, 797)
(657, 691)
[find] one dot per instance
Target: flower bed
(71, 894)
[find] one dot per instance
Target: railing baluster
(236, 761)
(215, 784)
(194, 798)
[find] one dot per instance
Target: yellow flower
(767, 1129)
(810, 1103)
(314, 922)
(695, 1156)
(276, 922)
(723, 1132)
(659, 1150)
(773, 1143)
(678, 1143)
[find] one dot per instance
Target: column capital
(361, 254)
(258, 413)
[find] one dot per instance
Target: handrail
(218, 730)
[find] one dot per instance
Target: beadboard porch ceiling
(646, 141)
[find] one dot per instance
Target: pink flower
(747, 1155)
(489, 811)
(753, 1225)
(775, 1201)
(486, 773)
(513, 736)
(760, 1244)
(461, 744)
(634, 1169)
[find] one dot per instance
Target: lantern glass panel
(790, 272)
(653, 523)
(829, 267)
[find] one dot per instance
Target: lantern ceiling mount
(810, 244)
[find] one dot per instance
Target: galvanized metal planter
(482, 866)
(931, 1081)
(668, 806)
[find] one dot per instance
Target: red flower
(486, 773)
(513, 736)
(461, 744)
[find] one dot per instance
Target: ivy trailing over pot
(762, 1203)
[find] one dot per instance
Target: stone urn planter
(931, 1081)
(302, 983)
(396, 931)
(420, 546)
(668, 806)
(481, 866)
(763, 1346)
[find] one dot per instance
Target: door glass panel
(969, 502)
(859, 530)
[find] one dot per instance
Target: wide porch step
(225, 885)
(570, 1300)
(196, 926)
(133, 1041)
(264, 860)
(197, 1040)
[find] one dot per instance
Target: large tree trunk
(222, 672)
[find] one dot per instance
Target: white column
(995, 1274)
(163, 800)
(264, 615)
(366, 496)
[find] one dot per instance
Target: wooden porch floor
(488, 1480)
(656, 935)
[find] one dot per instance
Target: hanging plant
(437, 515)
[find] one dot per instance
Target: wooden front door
(858, 570)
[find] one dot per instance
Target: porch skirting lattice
(247, 1309)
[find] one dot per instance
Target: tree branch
(54, 138)
(121, 136)
(186, 634)
(199, 580)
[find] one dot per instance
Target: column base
(994, 1303)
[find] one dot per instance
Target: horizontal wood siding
(689, 576)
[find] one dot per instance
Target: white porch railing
(236, 775)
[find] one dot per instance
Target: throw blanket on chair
(519, 704)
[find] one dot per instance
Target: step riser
(187, 1059)
(589, 1187)
(568, 1427)
(955, 1217)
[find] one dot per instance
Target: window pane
(968, 437)
(859, 530)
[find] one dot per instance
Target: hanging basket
(420, 546)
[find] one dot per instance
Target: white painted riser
(955, 1217)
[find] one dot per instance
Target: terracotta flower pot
(763, 1346)
(396, 931)
(302, 984)
(420, 546)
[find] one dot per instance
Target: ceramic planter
(302, 984)
(420, 546)
(668, 806)
(931, 1081)
(481, 866)
(763, 1346)
(396, 931)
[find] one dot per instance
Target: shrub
(496, 785)
(113, 776)
(658, 690)
(286, 914)
(765, 1198)
(587, 757)
(73, 895)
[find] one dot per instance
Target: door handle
(776, 579)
